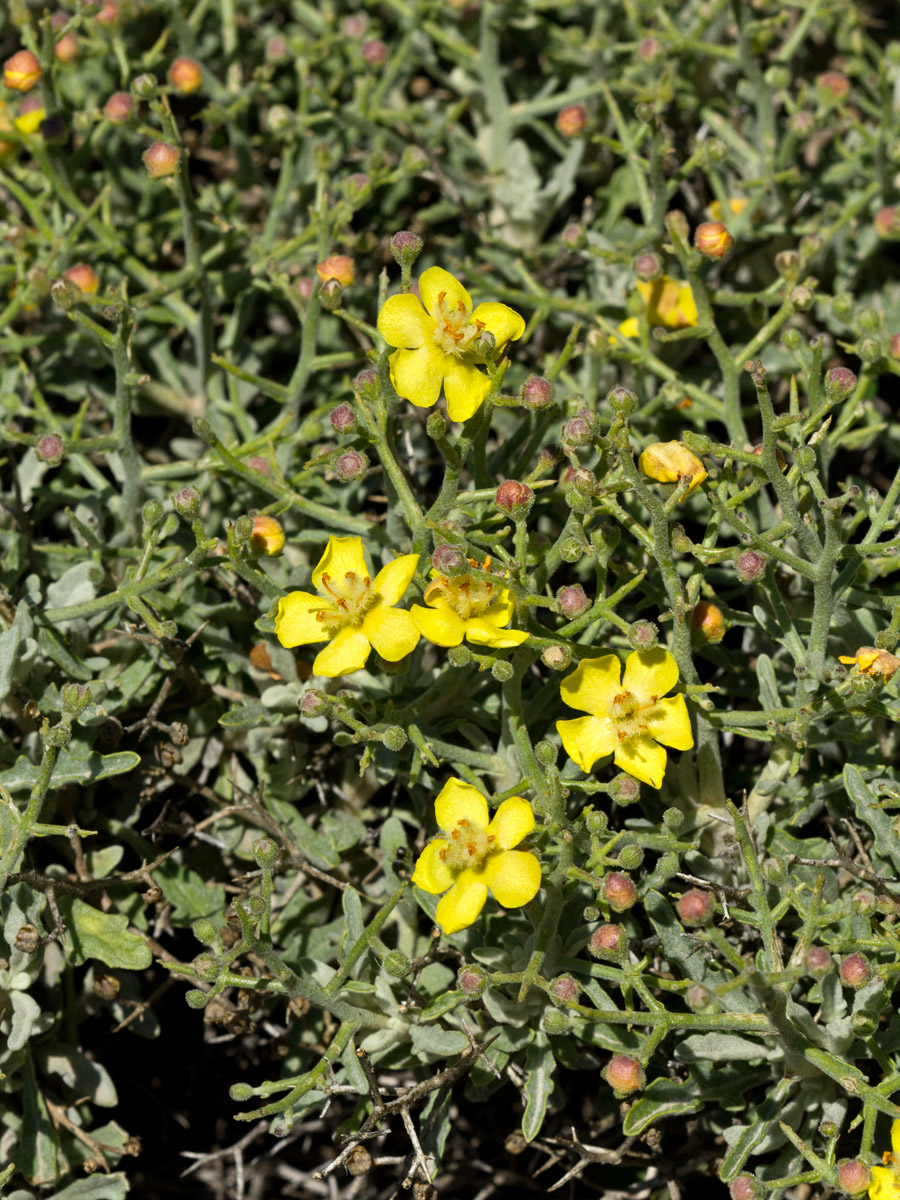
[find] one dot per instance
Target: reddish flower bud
(339, 267)
(472, 981)
(712, 239)
(366, 381)
(22, 71)
(67, 47)
(745, 1187)
(536, 392)
(50, 449)
(259, 464)
(564, 988)
(750, 566)
(374, 52)
(619, 892)
(832, 85)
(343, 419)
(119, 107)
(839, 381)
(572, 237)
(571, 121)
(355, 26)
(351, 465)
(108, 16)
(643, 635)
(887, 223)
(314, 704)
(707, 623)
(514, 498)
(695, 908)
(161, 159)
(648, 267)
(406, 247)
(84, 277)
(610, 942)
(697, 997)
(854, 1177)
(649, 49)
(624, 789)
(186, 75)
(448, 560)
(855, 970)
(579, 430)
(267, 537)
(624, 1074)
(572, 601)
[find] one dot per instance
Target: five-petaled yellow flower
(872, 661)
(885, 1183)
(473, 856)
(629, 718)
(353, 612)
(461, 606)
(435, 343)
(668, 302)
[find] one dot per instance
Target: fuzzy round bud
(557, 658)
(143, 87)
(572, 601)
(802, 298)
(343, 419)
(887, 223)
(854, 1177)
(619, 891)
(546, 753)
(869, 349)
(313, 704)
(375, 52)
(151, 514)
(707, 623)
(448, 560)
(207, 967)
(750, 566)
(596, 822)
(240, 1092)
(622, 401)
(624, 1074)
(712, 239)
(745, 1187)
(459, 656)
(580, 429)
(266, 536)
(339, 267)
(697, 997)
(186, 75)
(609, 942)
(554, 1022)
(624, 789)
(805, 459)
(66, 49)
(161, 160)
(64, 294)
(204, 931)
(187, 502)
(22, 71)
(396, 964)
(265, 852)
(351, 465)
(50, 449)
(502, 670)
(119, 108)
(357, 189)
(673, 819)
(536, 392)
(366, 383)
(571, 121)
(108, 16)
(647, 267)
(787, 264)
(839, 381)
(514, 498)
(630, 858)
(832, 85)
(565, 989)
(864, 1022)
(643, 635)
(471, 980)
(863, 902)
(573, 237)
(406, 247)
(394, 738)
(855, 970)
(195, 998)
(695, 908)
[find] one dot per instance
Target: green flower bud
(396, 964)
(502, 670)
(207, 967)
(394, 738)
(265, 852)
(546, 753)
(630, 858)
(555, 1022)
(673, 819)
(196, 999)
(204, 931)
(240, 1092)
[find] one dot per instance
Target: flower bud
(50, 449)
(712, 239)
(374, 52)
(143, 87)
(265, 851)
(366, 383)
(833, 86)
(695, 908)
(267, 536)
(85, 278)
(624, 1074)
(351, 465)
(557, 658)
(579, 430)
(436, 425)
(802, 298)
(619, 892)
(396, 964)
(863, 902)
(161, 160)
(394, 738)
(357, 189)
(448, 560)
(787, 264)
(484, 344)
(343, 419)
(66, 49)
(572, 601)
(313, 704)
(707, 623)
(119, 108)
(108, 16)
(668, 462)
(472, 980)
(546, 753)
(854, 1177)
(624, 789)
(565, 989)
(697, 997)
(536, 392)
(64, 294)
(186, 75)
(515, 499)
(622, 401)
(339, 267)
(571, 550)
(673, 819)
(745, 1187)
(609, 942)
(677, 225)
(331, 295)
(643, 635)
(187, 502)
(571, 121)
(647, 267)
(864, 1022)
(406, 248)
(459, 656)
(630, 858)
(573, 237)
(855, 970)
(750, 566)
(151, 514)
(870, 349)
(22, 71)
(554, 1022)
(839, 381)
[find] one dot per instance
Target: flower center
(455, 330)
(628, 715)
(467, 597)
(468, 846)
(348, 600)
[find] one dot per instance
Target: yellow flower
(463, 607)
(667, 462)
(736, 205)
(886, 1180)
(435, 343)
(352, 612)
(628, 719)
(871, 661)
(473, 856)
(668, 302)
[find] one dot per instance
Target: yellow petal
(643, 758)
(503, 322)
(895, 1138)
(685, 310)
(404, 322)
(482, 632)
(593, 685)
(417, 375)
(462, 904)
(432, 874)
(459, 801)
(392, 632)
(342, 556)
(670, 723)
(501, 611)
(885, 1184)
(392, 580)
(586, 739)
(650, 673)
(630, 328)
(512, 822)
(441, 625)
(465, 388)
(436, 280)
(296, 622)
(513, 877)
(345, 653)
